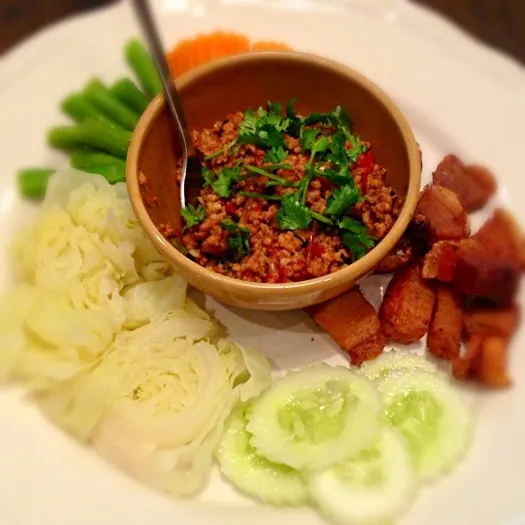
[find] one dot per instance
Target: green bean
(100, 96)
(143, 66)
(91, 133)
(32, 182)
(130, 95)
(79, 108)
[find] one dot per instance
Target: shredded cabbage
(102, 332)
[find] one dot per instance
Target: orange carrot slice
(193, 52)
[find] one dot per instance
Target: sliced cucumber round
(434, 420)
(239, 463)
(315, 417)
(374, 486)
(396, 361)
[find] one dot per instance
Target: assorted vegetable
(101, 332)
(105, 118)
(322, 435)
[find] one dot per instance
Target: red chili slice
(366, 161)
(230, 208)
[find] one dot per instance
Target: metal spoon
(191, 179)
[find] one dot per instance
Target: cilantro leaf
(295, 121)
(342, 120)
(342, 200)
(341, 177)
(292, 214)
(355, 237)
(310, 140)
(352, 225)
(269, 136)
(316, 118)
(224, 181)
(337, 147)
(193, 216)
(249, 123)
(265, 127)
(356, 149)
(239, 239)
(276, 155)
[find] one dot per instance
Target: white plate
(458, 95)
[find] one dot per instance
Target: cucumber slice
(374, 486)
(239, 463)
(434, 420)
(396, 361)
(315, 417)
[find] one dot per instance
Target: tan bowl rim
(359, 268)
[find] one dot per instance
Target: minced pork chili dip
(286, 198)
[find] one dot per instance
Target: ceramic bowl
(224, 86)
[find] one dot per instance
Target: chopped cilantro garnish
(221, 151)
(222, 182)
(341, 177)
(355, 237)
(294, 127)
(342, 200)
(356, 149)
(239, 239)
(193, 216)
(264, 128)
(310, 140)
(293, 214)
(265, 173)
(276, 155)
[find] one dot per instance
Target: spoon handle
(145, 18)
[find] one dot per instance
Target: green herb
(239, 239)
(264, 128)
(341, 178)
(260, 196)
(294, 127)
(321, 218)
(355, 237)
(259, 171)
(342, 200)
(193, 216)
(221, 151)
(223, 181)
(356, 149)
(310, 140)
(309, 174)
(276, 155)
(293, 214)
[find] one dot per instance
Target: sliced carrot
(269, 46)
(193, 52)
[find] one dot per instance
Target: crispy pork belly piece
(353, 323)
(442, 214)
(498, 322)
(439, 262)
(407, 306)
(491, 368)
(369, 349)
(399, 257)
(463, 367)
(503, 237)
(474, 185)
(480, 273)
(444, 333)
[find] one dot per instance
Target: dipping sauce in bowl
(311, 176)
